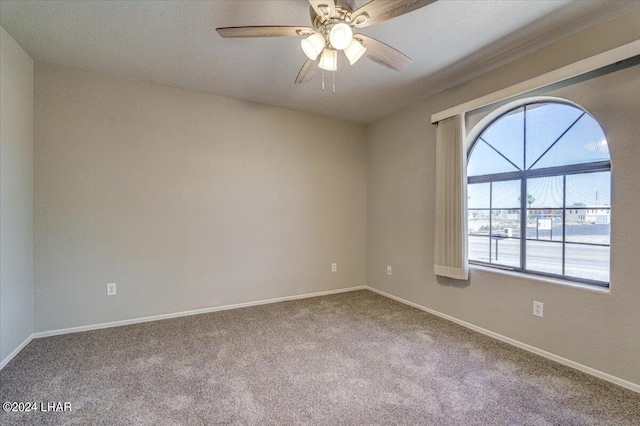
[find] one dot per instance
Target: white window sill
(543, 279)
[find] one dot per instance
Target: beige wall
(16, 195)
(185, 200)
(598, 330)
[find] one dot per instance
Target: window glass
(545, 124)
(589, 189)
(590, 228)
(506, 194)
(545, 224)
(479, 248)
(505, 252)
(478, 196)
(487, 161)
(545, 192)
(506, 135)
(562, 228)
(505, 223)
(544, 256)
(588, 262)
(583, 143)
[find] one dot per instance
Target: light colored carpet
(353, 358)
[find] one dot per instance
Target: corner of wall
(16, 193)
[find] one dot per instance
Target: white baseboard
(191, 312)
(15, 352)
(592, 371)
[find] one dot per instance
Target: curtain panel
(451, 258)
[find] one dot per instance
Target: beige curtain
(451, 259)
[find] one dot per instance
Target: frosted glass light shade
(354, 51)
(340, 36)
(313, 45)
(329, 60)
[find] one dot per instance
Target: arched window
(539, 193)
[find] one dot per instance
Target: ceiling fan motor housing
(335, 27)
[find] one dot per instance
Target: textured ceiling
(175, 43)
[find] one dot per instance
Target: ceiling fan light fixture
(313, 45)
(331, 29)
(329, 60)
(354, 51)
(340, 36)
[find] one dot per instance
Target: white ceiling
(175, 43)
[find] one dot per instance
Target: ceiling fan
(332, 27)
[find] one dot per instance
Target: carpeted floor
(353, 358)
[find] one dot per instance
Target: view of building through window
(539, 194)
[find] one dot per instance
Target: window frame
(522, 175)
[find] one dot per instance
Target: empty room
(320, 212)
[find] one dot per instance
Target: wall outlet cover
(538, 309)
(111, 289)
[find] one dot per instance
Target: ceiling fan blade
(348, 4)
(325, 8)
(264, 31)
(307, 72)
(383, 54)
(382, 10)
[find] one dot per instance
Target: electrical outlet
(389, 270)
(538, 309)
(334, 267)
(111, 289)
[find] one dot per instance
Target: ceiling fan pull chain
(323, 80)
(334, 82)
